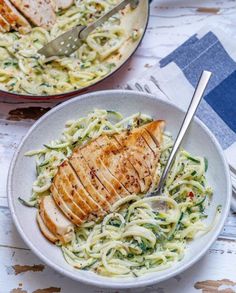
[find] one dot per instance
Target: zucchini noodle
(23, 70)
(141, 234)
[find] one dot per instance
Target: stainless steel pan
(138, 19)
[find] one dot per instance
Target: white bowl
(199, 141)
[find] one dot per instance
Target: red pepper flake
(191, 195)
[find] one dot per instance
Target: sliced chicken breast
(4, 25)
(64, 187)
(74, 201)
(39, 12)
(80, 196)
(65, 203)
(54, 219)
(154, 151)
(138, 153)
(45, 231)
(153, 136)
(101, 143)
(13, 17)
(155, 129)
(90, 181)
(119, 165)
(92, 154)
(123, 150)
(88, 154)
(150, 142)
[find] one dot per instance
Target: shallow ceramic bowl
(198, 141)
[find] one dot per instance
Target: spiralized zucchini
(23, 70)
(141, 234)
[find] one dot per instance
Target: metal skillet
(138, 19)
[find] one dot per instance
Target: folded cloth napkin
(175, 77)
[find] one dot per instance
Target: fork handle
(198, 94)
(87, 30)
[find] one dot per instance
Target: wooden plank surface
(212, 270)
(171, 23)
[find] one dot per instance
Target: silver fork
(196, 99)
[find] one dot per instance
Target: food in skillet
(26, 26)
(90, 193)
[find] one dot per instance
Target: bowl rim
(136, 283)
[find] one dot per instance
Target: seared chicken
(16, 20)
(20, 14)
(54, 220)
(44, 229)
(99, 174)
(38, 12)
(4, 25)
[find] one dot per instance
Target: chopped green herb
(206, 164)
(144, 246)
(200, 202)
(172, 235)
(115, 223)
(89, 265)
(193, 159)
(45, 84)
(8, 63)
(56, 147)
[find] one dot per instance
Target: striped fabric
(218, 110)
(176, 76)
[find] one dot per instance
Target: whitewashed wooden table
(171, 22)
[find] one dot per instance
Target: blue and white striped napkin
(176, 76)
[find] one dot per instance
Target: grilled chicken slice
(13, 17)
(92, 153)
(64, 190)
(66, 204)
(123, 150)
(91, 183)
(39, 12)
(154, 150)
(88, 154)
(80, 196)
(119, 165)
(142, 150)
(154, 140)
(56, 222)
(103, 142)
(150, 142)
(138, 153)
(4, 25)
(97, 175)
(155, 129)
(46, 232)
